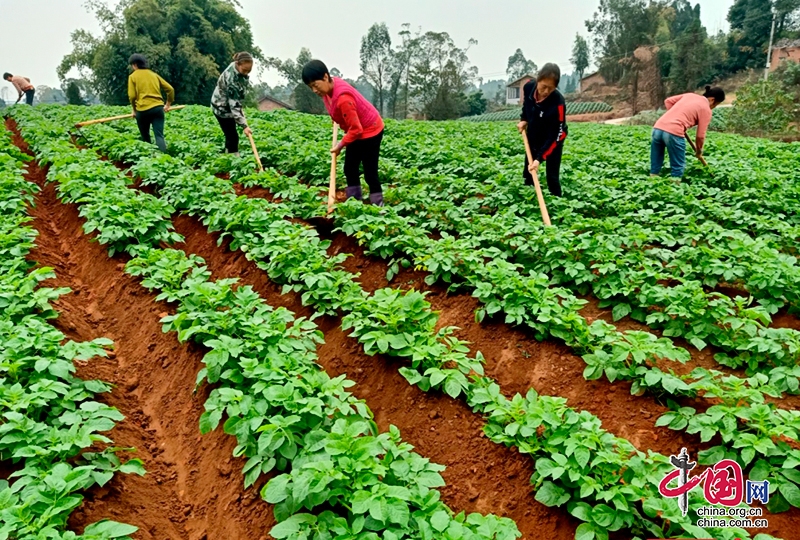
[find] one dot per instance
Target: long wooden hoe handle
(694, 149)
(112, 118)
(542, 205)
(255, 152)
(332, 187)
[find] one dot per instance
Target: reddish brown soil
(193, 488)
(481, 476)
(519, 362)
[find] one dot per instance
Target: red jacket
(354, 114)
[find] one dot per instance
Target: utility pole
(769, 50)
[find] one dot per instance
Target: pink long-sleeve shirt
(683, 112)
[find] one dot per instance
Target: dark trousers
(152, 117)
(29, 96)
(366, 152)
(231, 132)
(552, 171)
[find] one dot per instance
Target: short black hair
(549, 71)
(7, 75)
(314, 71)
(138, 60)
(716, 92)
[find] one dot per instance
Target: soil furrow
(193, 488)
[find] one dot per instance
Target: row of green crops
(339, 477)
(513, 114)
(108, 142)
(48, 416)
(749, 427)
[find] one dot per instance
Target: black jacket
(547, 121)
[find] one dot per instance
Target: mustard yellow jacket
(144, 90)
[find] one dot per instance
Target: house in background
(784, 51)
(269, 103)
(514, 89)
(593, 79)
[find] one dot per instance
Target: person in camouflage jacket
(226, 101)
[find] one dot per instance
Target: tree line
(417, 73)
(687, 56)
(414, 73)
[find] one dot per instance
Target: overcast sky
(35, 34)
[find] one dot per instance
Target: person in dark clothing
(544, 120)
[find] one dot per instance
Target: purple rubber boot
(376, 198)
(353, 192)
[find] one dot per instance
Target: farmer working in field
(23, 86)
(363, 126)
(144, 91)
(226, 102)
(683, 112)
(544, 118)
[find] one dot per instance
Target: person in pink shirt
(362, 124)
(23, 86)
(683, 112)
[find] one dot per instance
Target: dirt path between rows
(193, 488)
(481, 476)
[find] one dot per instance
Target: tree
(400, 86)
(690, 57)
(73, 94)
(46, 94)
(751, 21)
(476, 104)
(303, 98)
(519, 66)
(439, 75)
(580, 55)
(188, 42)
(618, 28)
(377, 61)
(786, 11)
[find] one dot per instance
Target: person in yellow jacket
(145, 92)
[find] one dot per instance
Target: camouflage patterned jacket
(226, 102)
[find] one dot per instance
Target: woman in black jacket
(544, 118)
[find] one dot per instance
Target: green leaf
(603, 515)
(585, 531)
(133, 466)
(620, 311)
(110, 529)
(791, 493)
(289, 528)
(582, 511)
(440, 520)
(551, 495)
(276, 489)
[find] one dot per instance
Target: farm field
(309, 377)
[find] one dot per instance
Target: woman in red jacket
(363, 126)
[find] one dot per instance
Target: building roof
(787, 43)
(276, 100)
(590, 75)
(516, 82)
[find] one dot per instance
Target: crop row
(659, 279)
(109, 141)
(573, 107)
(338, 476)
(749, 427)
(48, 416)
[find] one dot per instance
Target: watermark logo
(724, 487)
